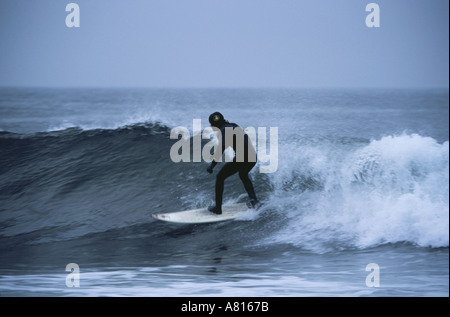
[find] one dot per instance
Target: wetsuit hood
(216, 119)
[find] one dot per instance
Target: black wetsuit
(240, 166)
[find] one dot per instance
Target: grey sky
(224, 43)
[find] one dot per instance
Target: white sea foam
(395, 189)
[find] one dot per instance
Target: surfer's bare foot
(216, 210)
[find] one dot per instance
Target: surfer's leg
(243, 174)
(227, 170)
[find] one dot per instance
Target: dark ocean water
(362, 177)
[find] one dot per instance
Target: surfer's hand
(209, 169)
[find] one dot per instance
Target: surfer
(243, 161)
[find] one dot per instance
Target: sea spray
(391, 190)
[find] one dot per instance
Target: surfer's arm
(218, 151)
(211, 166)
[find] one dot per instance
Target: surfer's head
(216, 120)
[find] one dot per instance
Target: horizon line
(225, 87)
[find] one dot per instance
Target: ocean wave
(140, 119)
(391, 190)
(73, 182)
(326, 195)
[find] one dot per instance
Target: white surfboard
(203, 215)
